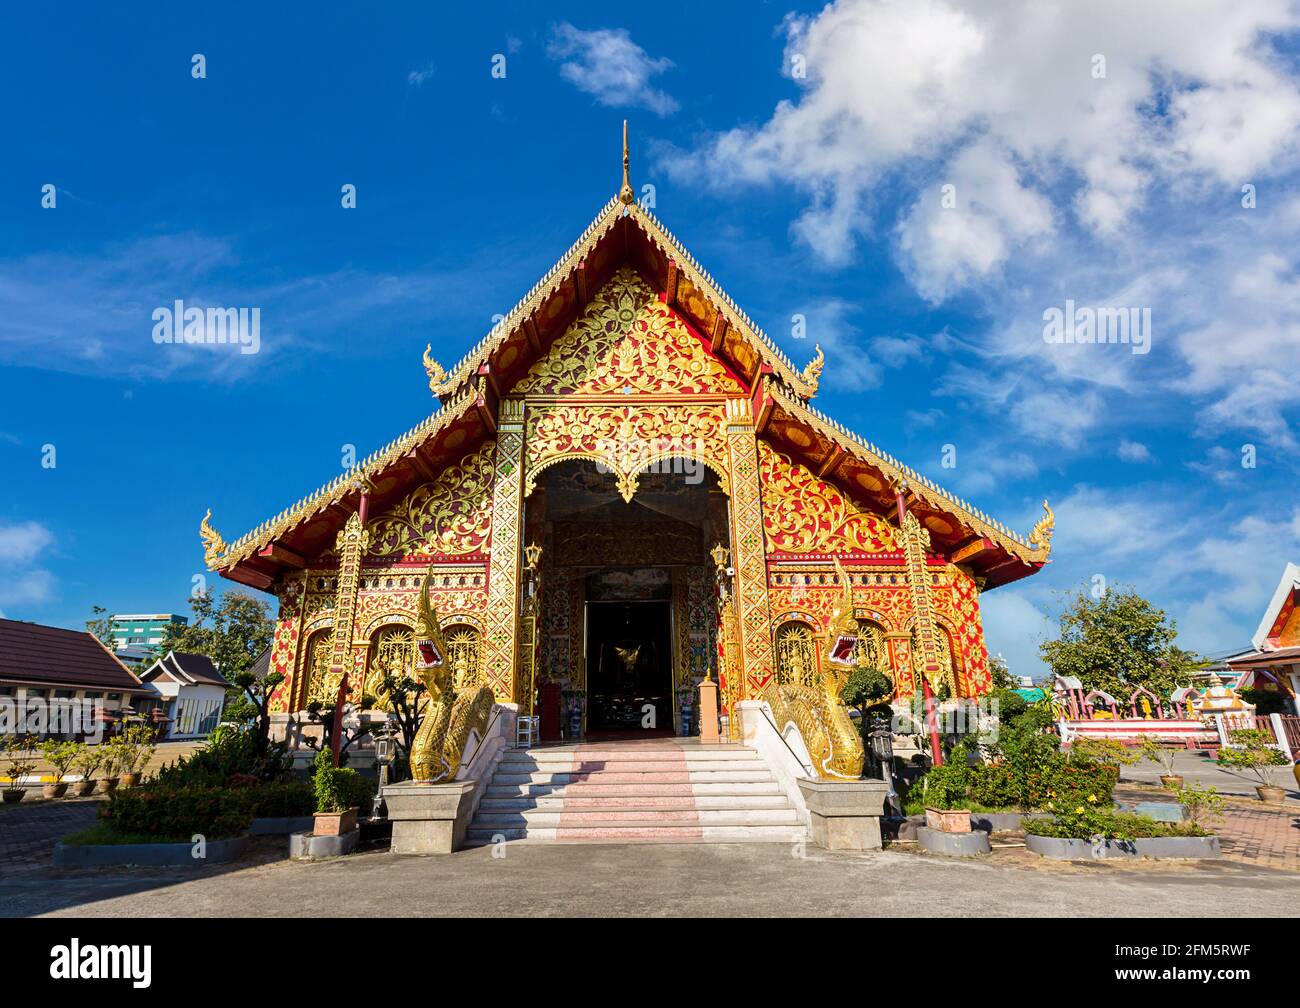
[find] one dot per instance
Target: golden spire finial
(625, 194)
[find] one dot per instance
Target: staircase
(656, 791)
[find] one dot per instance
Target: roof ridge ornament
(626, 195)
(812, 373)
(213, 545)
(437, 375)
(1041, 536)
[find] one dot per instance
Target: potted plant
(944, 791)
(60, 756)
(337, 797)
(137, 745)
(86, 763)
(1164, 756)
(21, 763)
(1253, 750)
(111, 762)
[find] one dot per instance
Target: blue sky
(802, 152)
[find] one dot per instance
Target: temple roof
(625, 234)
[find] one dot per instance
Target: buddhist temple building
(624, 488)
(1273, 662)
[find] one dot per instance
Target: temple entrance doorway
(629, 669)
(628, 615)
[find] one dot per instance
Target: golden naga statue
(1041, 536)
(448, 715)
(437, 375)
(213, 544)
(828, 732)
(813, 372)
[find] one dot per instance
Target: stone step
(754, 776)
(633, 754)
(632, 766)
(499, 790)
(553, 803)
(634, 818)
(477, 837)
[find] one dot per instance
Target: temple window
(796, 654)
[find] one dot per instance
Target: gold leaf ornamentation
(452, 516)
(803, 514)
(628, 339)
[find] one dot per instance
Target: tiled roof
(32, 653)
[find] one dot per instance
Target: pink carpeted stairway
(655, 791)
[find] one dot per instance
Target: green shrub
(160, 810)
(1253, 750)
(228, 752)
(338, 789)
(282, 800)
(1090, 820)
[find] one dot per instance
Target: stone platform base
(953, 844)
(307, 845)
(845, 815)
(428, 818)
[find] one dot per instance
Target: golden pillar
(501, 621)
(753, 610)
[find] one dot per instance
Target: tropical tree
(100, 625)
(1118, 642)
(233, 632)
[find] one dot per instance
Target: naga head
(431, 657)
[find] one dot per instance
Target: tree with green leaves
(1001, 674)
(254, 703)
(100, 625)
(1117, 642)
(867, 688)
(233, 632)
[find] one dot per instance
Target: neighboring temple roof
(1278, 616)
(52, 656)
(623, 233)
(187, 669)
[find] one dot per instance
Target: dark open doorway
(629, 668)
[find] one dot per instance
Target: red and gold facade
(624, 361)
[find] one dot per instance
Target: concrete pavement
(663, 880)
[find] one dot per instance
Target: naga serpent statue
(449, 714)
(828, 732)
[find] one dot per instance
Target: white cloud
(22, 581)
(1116, 191)
(609, 66)
(1133, 451)
(416, 78)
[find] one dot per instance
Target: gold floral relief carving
(626, 439)
(803, 514)
(451, 516)
(628, 339)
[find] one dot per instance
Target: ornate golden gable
(803, 514)
(628, 339)
(449, 517)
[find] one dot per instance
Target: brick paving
(1250, 831)
(28, 832)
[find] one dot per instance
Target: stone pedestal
(428, 818)
(708, 711)
(845, 815)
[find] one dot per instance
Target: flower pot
(1268, 793)
(948, 820)
(1171, 782)
(129, 779)
(106, 785)
(54, 790)
(334, 823)
(83, 788)
(12, 795)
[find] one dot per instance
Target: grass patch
(103, 833)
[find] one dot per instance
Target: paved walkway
(1197, 768)
(772, 879)
(28, 832)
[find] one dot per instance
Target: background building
(50, 663)
(142, 630)
(189, 690)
